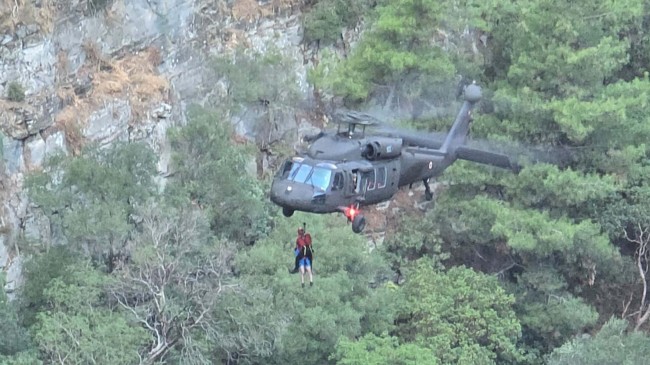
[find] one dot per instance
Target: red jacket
(302, 241)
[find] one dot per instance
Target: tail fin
(460, 129)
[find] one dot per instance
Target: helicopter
(345, 170)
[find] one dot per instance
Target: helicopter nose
(282, 192)
(288, 193)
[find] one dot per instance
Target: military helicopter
(345, 170)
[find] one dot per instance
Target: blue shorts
(304, 262)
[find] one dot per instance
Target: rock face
(126, 72)
(71, 73)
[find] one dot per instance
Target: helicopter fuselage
(340, 171)
(344, 170)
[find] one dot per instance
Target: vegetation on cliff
(544, 266)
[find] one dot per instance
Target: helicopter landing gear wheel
(359, 223)
(287, 212)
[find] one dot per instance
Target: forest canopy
(544, 266)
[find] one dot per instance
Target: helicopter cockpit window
(301, 173)
(319, 177)
(288, 169)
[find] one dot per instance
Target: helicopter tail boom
(460, 129)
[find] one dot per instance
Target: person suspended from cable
(302, 249)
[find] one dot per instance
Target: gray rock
(6, 39)
(14, 277)
(133, 24)
(163, 111)
(55, 144)
(38, 67)
(4, 254)
(109, 123)
(35, 149)
(36, 227)
(13, 155)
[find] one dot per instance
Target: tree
(463, 316)
(174, 284)
(350, 296)
(396, 54)
(77, 328)
(325, 21)
(611, 345)
(213, 173)
(92, 197)
(39, 271)
(412, 239)
(169, 286)
(381, 350)
(15, 338)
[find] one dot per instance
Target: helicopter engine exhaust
(383, 148)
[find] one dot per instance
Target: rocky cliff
(79, 71)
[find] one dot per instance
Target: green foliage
(14, 337)
(413, 239)
(93, 196)
(557, 61)
(395, 53)
(463, 316)
(546, 186)
(327, 18)
(556, 46)
(342, 301)
(531, 231)
(384, 350)
(180, 275)
(611, 345)
(548, 312)
(15, 91)
(213, 173)
(21, 358)
(78, 328)
(558, 73)
(255, 78)
(38, 271)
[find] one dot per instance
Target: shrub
(15, 91)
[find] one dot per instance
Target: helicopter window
(320, 177)
(371, 180)
(288, 169)
(338, 181)
(381, 177)
(300, 174)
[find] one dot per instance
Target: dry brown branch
(641, 237)
(168, 287)
(133, 78)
